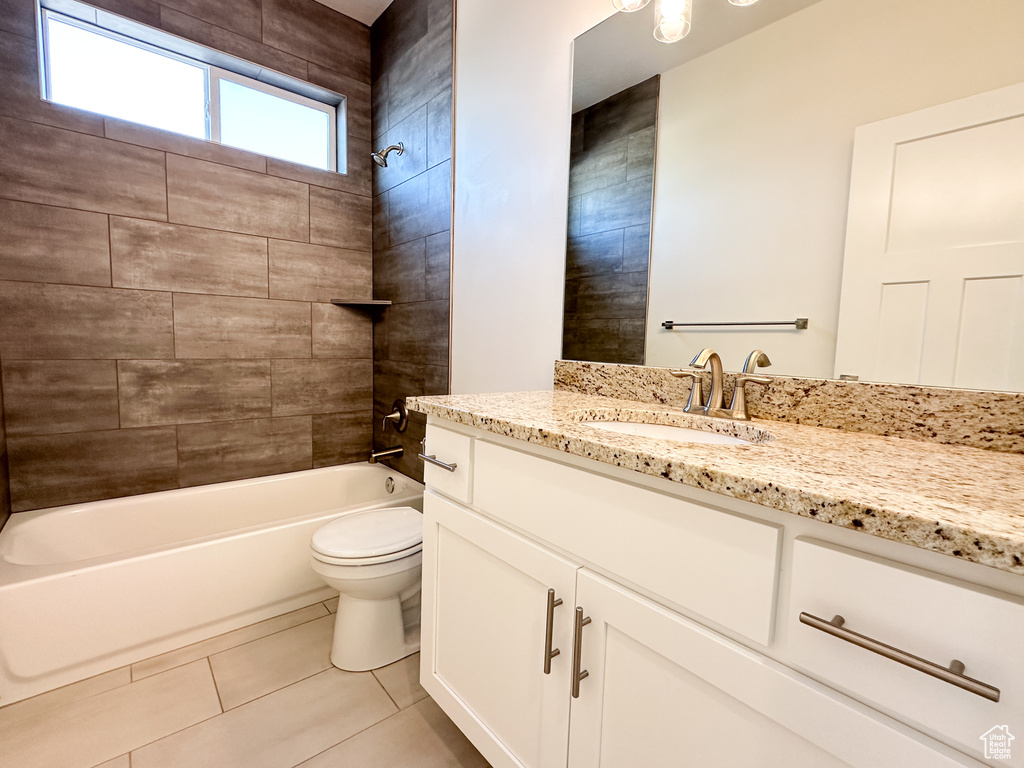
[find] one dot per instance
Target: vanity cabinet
(678, 649)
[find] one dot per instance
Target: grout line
(386, 691)
(238, 645)
(352, 736)
(167, 190)
(216, 688)
(110, 248)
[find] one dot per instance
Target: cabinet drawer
(455, 450)
(719, 565)
(931, 617)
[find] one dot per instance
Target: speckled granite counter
(960, 501)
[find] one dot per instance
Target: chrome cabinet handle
(434, 460)
(953, 674)
(549, 629)
(577, 652)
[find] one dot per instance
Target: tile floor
(264, 696)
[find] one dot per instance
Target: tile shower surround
(412, 103)
(163, 301)
(611, 177)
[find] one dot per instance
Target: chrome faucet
(716, 395)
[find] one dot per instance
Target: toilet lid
(372, 533)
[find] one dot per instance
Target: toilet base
(369, 634)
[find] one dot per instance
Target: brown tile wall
(611, 178)
(164, 302)
(412, 104)
(5, 487)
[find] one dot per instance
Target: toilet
(374, 559)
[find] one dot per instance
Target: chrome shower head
(381, 158)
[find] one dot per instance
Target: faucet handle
(738, 407)
(696, 399)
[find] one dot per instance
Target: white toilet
(374, 560)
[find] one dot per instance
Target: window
(93, 68)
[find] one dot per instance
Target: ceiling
(622, 51)
(365, 11)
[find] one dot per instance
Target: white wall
(513, 87)
(755, 142)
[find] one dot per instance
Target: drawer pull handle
(577, 652)
(549, 628)
(434, 460)
(953, 674)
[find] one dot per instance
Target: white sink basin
(666, 432)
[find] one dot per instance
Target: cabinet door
(662, 690)
(485, 594)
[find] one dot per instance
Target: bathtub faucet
(388, 453)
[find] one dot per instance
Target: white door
(933, 277)
(663, 691)
(485, 595)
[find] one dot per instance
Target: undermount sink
(673, 426)
(666, 432)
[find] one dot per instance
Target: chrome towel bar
(953, 674)
(800, 324)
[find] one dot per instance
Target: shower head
(381, 158)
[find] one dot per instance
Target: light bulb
(672, 19)
(742, 2)
(629, 6)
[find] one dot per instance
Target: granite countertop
(963, 502)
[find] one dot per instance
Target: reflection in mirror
(754, 151)
(611, 177)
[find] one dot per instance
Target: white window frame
(213, 105)
(214, 74)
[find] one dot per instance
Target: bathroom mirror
(757, 109)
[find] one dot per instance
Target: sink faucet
(716, 395)
(755, 359)
(738, 406)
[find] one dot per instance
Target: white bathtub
(88, 588)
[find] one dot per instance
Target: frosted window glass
(260, 122)
(94, 72)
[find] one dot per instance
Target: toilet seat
(389, 558)
(370, 537)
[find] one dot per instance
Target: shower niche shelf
(367, 303)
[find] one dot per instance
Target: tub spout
(388, 453)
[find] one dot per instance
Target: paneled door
(484, 640)
(933, 277)
(661, 690)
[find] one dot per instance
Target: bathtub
(87, 588)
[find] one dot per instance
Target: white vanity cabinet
(483, 636)
(677, 651)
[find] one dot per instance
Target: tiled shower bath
(164, 302)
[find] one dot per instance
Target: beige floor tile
(118, 762)
(59, 697)
(228, 640)
(419, 737)
(265, 665)
(402, 681)
(279, 730)
(332, 605)
(87, 732)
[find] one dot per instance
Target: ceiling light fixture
(629, 6)
(672, 18)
